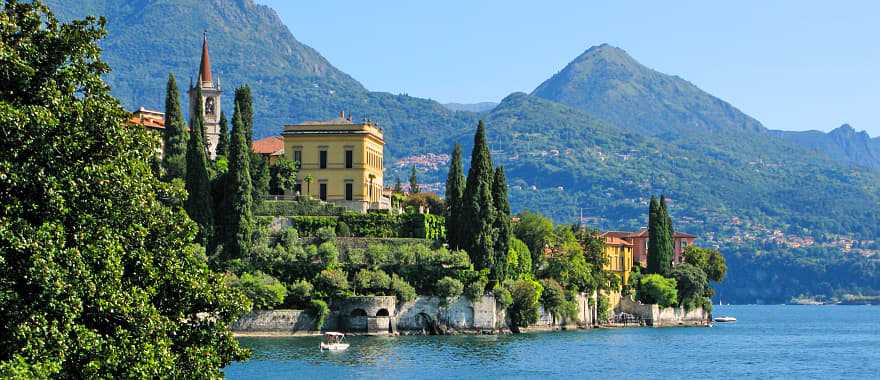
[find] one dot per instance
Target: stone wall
(461, 315)
(282, 322)
(656, 316)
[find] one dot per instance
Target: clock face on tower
(209, 106)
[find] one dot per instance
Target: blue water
(765, 342)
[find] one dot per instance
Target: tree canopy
(99, 277)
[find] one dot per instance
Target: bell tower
(210, 100)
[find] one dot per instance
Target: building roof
(205, 67)
(272, 145)
(616, 241)
(147, 118)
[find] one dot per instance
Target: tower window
(349, 191)
(322, 158)
(349, 159)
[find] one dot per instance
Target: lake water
(765, 342)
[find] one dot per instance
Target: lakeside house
(618, 256)
(639, 241)
(271, 148)
(340, 161)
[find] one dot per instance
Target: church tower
(210, 100)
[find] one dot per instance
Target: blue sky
(793, 65)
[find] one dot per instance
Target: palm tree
(308, 179)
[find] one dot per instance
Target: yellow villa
(619, 256)
(340, 161)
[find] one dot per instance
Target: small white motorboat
(725, 319)
(333, 341)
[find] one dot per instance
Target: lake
(765, 342)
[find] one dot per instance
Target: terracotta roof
(273, 146)
(683, 235)
(616, 234)
(611, 240)
(205, 68)
(147, 118)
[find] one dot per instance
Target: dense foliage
(99, 276)
(175, 136)
(656, 289)
(660, 243)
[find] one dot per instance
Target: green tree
(520, 259)
(99, 277)
(709, 260)
(502, 225)
(448, 288)
(536, 231)
(238, 224)
(691, 284)
(414, 181)
(526, 294)
(308, 179)
(223, 142)
(199, 204)
(398, 187)
(264, 291)
(260, 177)
(553, 297)
(660, 245)
(175, 135)
(656, 289)
(454, 193)
(478, 211)
(283, 174)
(246, 105)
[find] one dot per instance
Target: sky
(793, 65)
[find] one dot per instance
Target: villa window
(349, 191)
(298, 157)
(322, 158)
(349, 159)
(323, 192)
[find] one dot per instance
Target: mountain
(471, 107)
(607, 82)
(249, 44)
(595, 140)
(843, 144)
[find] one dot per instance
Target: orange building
(639, 241)
(272, 148)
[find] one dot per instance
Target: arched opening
(426, 324)
(382, 313)
(358, 313)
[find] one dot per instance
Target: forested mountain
(843, 144)
(596, 140)
(471, 107)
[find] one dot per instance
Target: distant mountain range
(594, 141)
(843, 144)
(471, 107)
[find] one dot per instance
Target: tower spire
(205, 68)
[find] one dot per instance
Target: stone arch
(426, 324)
(358, 313)
(383, 313)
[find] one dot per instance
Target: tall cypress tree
(478, 211)
(668, 239)
(502, 225)
(198, 184)
(259, 169)
(414, 182)
(659, 240)
(246, 104)
(176, 137)
(223, 142)
(454, 193)
(238, 222)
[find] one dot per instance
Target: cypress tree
(659, 239)
(223, 142)
(477, 206)
(239, 220)
(502, 225)
(260, 176)
(246, 104)
(198, 184)
(454, 194)
(175, 136)
(398, 188)
(668, 240)
(414, 182)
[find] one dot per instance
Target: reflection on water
(767, 341)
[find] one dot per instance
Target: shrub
(402, 289)
(502, 297)
(332, 282)
(263, 290)
(342, 229)
(448, 288)
(299, 292)
(552, 297)
(328, 254)
(656, 289)
(309, 225)
(326, 234)
(356, 257)
(303, 207)
(602, 311)
(320, 311)
(525, 294)
(476, 282)
(372, 281)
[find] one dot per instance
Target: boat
(333, 341)
(724, 319)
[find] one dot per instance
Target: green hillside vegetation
(843, 144)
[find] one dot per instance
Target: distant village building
(271, 148)
(343, 159)
(639, 241)
(210, 100)
(153, 121)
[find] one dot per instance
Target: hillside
(471, 107)
(843, 144)
(596, 140)
(249, 44)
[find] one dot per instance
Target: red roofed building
(270, 147)
(639, 240)
(153, 121)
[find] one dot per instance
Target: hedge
(376, 225)
(303, 207)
